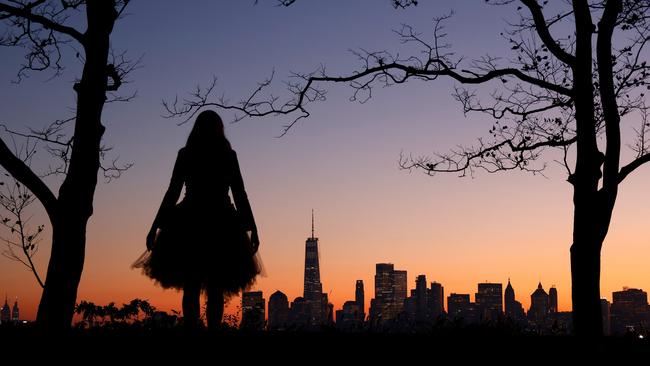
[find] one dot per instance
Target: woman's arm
(241, 199)
(170, 198)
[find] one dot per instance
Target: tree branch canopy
(22, 173)
(607, 92)
(629, 168)
(26, 13)
(543, 31)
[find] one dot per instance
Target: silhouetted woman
(204, 243)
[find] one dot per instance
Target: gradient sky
(342, 161)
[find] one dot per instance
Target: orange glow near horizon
(349, 250)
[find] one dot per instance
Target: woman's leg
(191, 303)
(214, 312)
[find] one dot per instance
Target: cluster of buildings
(9, 315)
(395, 308)
(628, 312)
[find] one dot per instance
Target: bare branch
(16, 200)
(23, 173)
(629, 168)
(26, 13)
(542, 29)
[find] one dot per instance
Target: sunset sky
(342, 161)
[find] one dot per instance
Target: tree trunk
(75, 202)
(585, 288)
(57, 304)
(593, 212)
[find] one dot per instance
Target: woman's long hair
(207, 133)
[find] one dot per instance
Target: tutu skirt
(202, 245)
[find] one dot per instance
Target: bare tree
(41, 28)
(566, 93)
(22, 241)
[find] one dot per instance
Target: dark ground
(144, 347)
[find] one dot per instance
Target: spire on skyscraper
(312, 223)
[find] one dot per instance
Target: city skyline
(312, 284)
(629, 312)
(343, 160)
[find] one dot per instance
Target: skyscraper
(252, 309)
(359, 298)
(436, 301)
(629, 310)
(5, 312)
(15, 313)
(421, 298)
(349, 317)
(539, 306)
(605, 308)
(384, 298)
(400, 285)
(278, 311)
(390, 293)
(552, 300)
(513, 308)
(298, 313)
(313, 289)
(459, 307)
(489, 301)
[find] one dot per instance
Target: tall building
(313, 289)
(410, 305)
(605, 309)
(513, 308)
(421, 298)
(360, 299)
(458, 306)
(436, 301)
(15, 313)
(489, 301)
(298, 314)
(253, 315)
(327, 309)
(539, 306)
(5, 312)
(552, 300)
(384, 296)
(629, 310)
(390, 293)
(349, 318)
(400, 285)
(278, 311)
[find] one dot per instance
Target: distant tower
(359, 298)
(252, 309)
(436, 302)
(399, 291)
(629, 309)
(278, 311)
(552, 300)
(5, 312)
(382, 306)
(509, 299)
(458, 305)
(313, 290)
(421, 308)
(15, 313)
(489, 301)
(538, 305)
(605, 308)
(513, 308)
